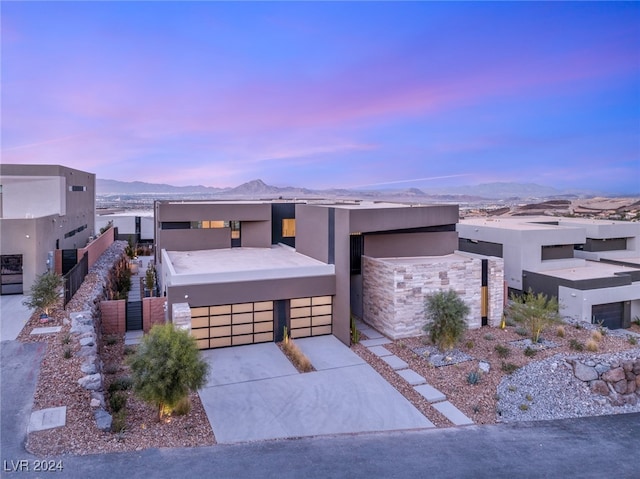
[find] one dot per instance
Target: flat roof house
(43, 208)
(591, 266)
(245, 270)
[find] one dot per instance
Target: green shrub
(111, 340)
(167, 366)
(117, 401)
(121, 384)
(119, 421)
(530, 352)
(520, 331)
(489, 337)
(502, 350)
(111, 368)
(445, 312)
(45, 292)
(524, 407)
(66, 339)
(632, 340)
(576, 345)
(474, 377)
(67, 353)
(508, 367)
(130, 349)
(534, 312)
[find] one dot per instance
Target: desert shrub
(502, 350)
(120, 384)
(596, 336)
(166, 367)
(66, 339)
(130, 349)
(297, 357)
(534, 312)
(474, 377)
(445, 312)
(632, 340)
(530, 352)
(520, 331)
(524, 407)
(529, 397)
(592, 345)
(111, 340)
(183, 407)
(111, 368)
(44, 292)
(355, 333)
(469, 344)
(560, 332)
(489, 337)
(508, 367)
(119, 422)
(576, 345)
(67, 353)
(117, 401)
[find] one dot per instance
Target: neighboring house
(243, 271)
(43, 208)
(136, 225)
(591, 266)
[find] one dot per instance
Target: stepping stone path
(47, 330)
(47, 418)
(376, 343)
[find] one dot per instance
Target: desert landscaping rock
(584, 372)
(103, 420)
(92, 382)
(46, 330)
(484, 367)
(87, 341)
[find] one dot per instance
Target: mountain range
(259, 189)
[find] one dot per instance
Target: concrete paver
(132, 338)
(411, 377)
(254, 393)
(375, 342)
(327, 352)
(395, 362)
(452, 413)
(48, 418)
(13, 316)
(246, 363)
(430, 393)
(371, 333)
(380, 351)
(46, 330)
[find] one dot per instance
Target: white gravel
(548, 389)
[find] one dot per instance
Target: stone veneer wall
(394, 294)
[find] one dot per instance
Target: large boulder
(103, 420)
(614, 375)
(93, 382)
(584, 372)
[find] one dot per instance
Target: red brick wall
(152, 312)
(114, 316)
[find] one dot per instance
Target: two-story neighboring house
(43, 208)
(591, 266)
(245, 270)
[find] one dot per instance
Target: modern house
(134, 225)
(591, 266)
(243, 271)
(43, 208)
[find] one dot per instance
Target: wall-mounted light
(27, 236)
(186, 296)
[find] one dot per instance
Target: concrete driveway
(254, 393)
(13, 316)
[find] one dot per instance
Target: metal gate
(610, 315)
(134, 316)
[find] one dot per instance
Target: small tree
(445, 312)
(166, 367)
(150, 277)
(534, 311)
(45, 292)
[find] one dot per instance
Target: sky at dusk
(326, 94)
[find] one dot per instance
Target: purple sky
(326, 94)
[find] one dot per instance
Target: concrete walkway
(13, 316)
(254, 393)
(375, 343)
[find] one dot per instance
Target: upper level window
(77, 188)
(289, 228)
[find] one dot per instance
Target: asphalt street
(598, 447)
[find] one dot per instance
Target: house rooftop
(590, 270)
(242, 264)
(412, 260)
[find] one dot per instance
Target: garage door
(610, 315)
(311, 316)
(232, 324)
